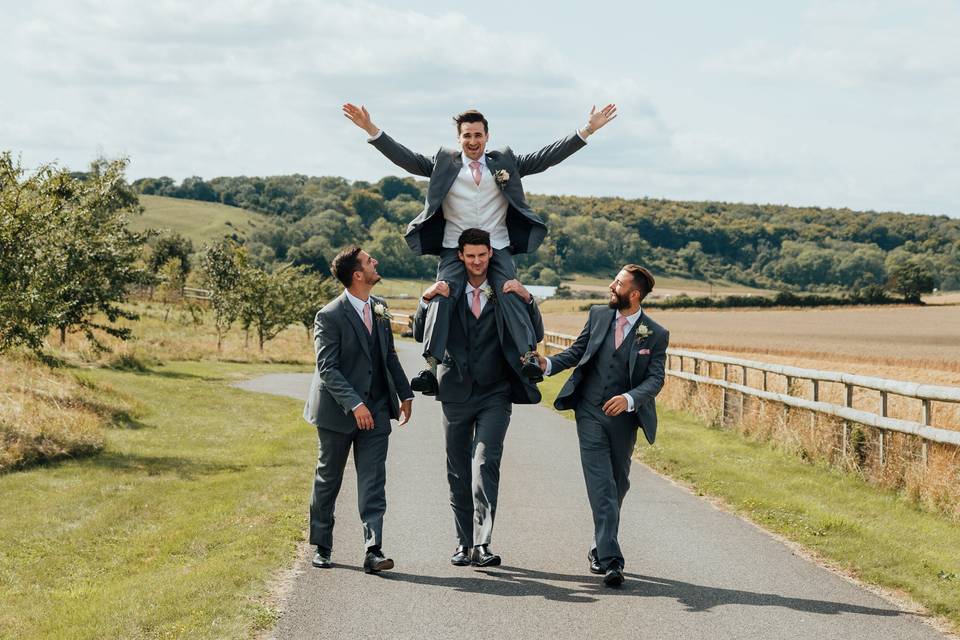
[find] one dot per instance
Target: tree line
(770, 246)
(68, 262)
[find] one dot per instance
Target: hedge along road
(692, 571)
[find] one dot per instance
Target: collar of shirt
(466, 161)
(470, 288)
(631, 319)
(357, 303)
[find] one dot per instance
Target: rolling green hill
(201, 222)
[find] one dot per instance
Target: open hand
(615, 406)
(363, 417)
(360, 117)
(600, 118)
(440, 288)
(406, 408)
(514, 286)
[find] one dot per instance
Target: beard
(617, 302)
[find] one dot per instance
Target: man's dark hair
(473, 236)
(642, 279)
(471, 115)
(346, 264)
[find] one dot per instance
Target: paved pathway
(692, 571)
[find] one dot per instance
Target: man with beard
(620, 357)
(479, 378)
(474, 187)
(352, 398)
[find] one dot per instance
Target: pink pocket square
(643, 352)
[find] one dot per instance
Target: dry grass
(935, 484)
(48, 414)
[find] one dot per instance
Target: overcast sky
(852, 104)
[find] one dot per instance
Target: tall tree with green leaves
(222, 265)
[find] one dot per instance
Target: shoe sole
(322, 565)
(460, 563)
(386, 565)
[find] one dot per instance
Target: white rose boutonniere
(643, 331)
(380, 310)
(501, 176)
(487, 290)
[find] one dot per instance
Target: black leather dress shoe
(594, 562)
(425, 383)
(483, 557)
(321, 559)
(531, 367)
(613, 577)
(374, 562)
(460, 557)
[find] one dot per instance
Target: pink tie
(475, 307)
(618, 336)
(367, 318)
(475, 168)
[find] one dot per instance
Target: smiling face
(473, 139)
(368, 269)
(476, 259)
(622, 291)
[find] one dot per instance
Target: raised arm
(562, 149)
(398, 154)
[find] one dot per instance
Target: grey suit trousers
(369, 459)
(606, 447)
(474, 431)
(440, 309)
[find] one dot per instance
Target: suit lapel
(462, 311)
(492, 166)
(635, 343)
(456, 164)
(379, 325)
(599, 330)
(353, 318)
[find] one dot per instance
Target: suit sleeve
(415, 163)
(536, 320)
(396, 370)
(419, 322)
(572, 354)
(656, 370)
(550, 155)
(326, 338)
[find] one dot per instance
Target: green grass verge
(175, 529)
(873, 534)
(201, 222)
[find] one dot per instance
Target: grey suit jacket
(343, 375)
(455, 383)
(646, 369)
(425, 232)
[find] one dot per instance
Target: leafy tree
(911, 279)
(368, 205)
(266, 301)
(168, 246)
(222, 265)
(392, 186)
(171, 284)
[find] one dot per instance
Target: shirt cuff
(405, 399)
(549, 368)
(355, 408)
(423, 303)
(629, 401)
(579, 135)
(380, 133)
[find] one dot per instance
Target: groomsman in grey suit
(353, 396)
(620, 358)
(479, 378)
(472, 187)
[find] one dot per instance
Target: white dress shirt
(631, 320)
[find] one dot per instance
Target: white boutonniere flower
(501, 176)
(487, 290)
(380, 310)
(643, 331)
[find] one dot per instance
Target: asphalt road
(692, 571)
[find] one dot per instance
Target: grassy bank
(874, 534)
(174, 528)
